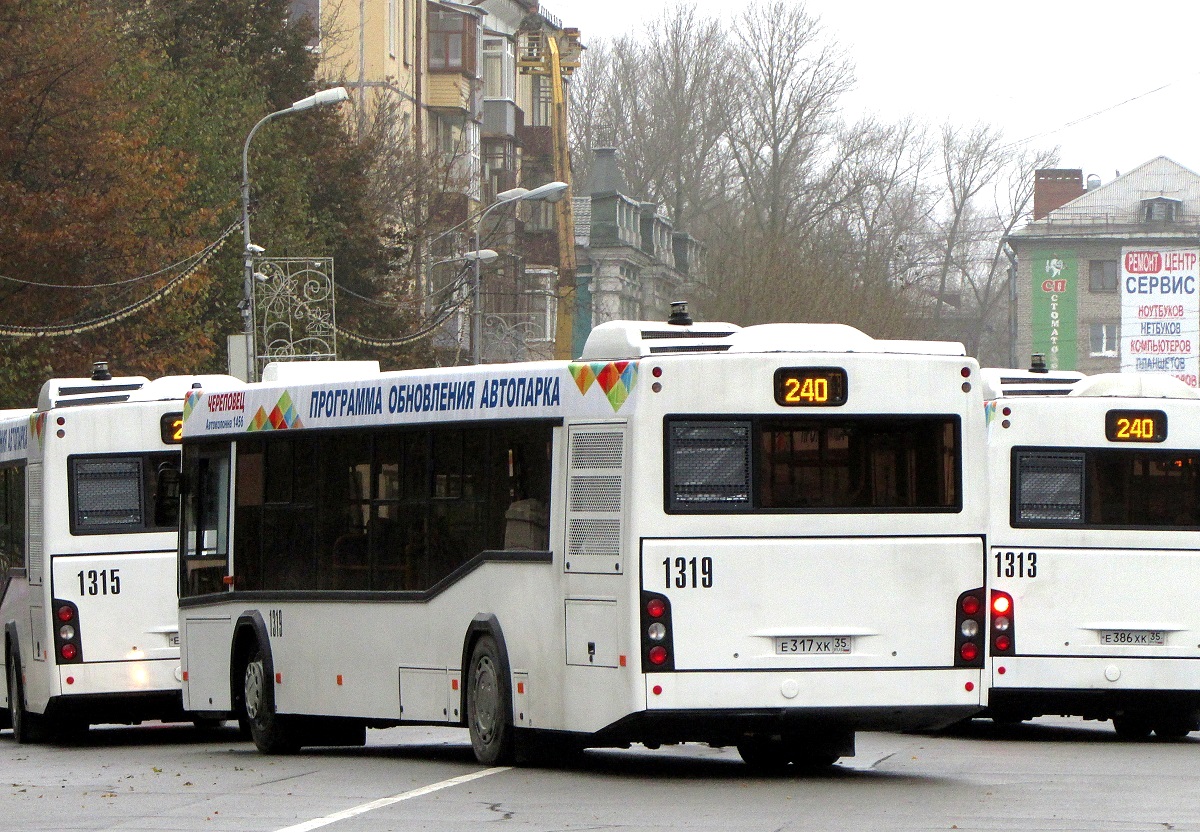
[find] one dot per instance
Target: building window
(1104, 340)
(391, 28)
(306, 13)
(499, 68)
(451, 40)
(1103, 275)
(1158, 210)
(541, 98)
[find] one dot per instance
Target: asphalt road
(1052, 774)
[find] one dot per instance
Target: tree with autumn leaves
(121, 130)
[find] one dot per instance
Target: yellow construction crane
(557, 55)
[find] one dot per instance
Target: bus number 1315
(99, 582)
(679, 571)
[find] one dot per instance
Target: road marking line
(388, 801)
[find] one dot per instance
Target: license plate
(1135, 638)
(812, 644)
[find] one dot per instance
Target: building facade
(1107, 275)
(632, 262)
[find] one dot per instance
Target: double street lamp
(335, 95)
(550, 192)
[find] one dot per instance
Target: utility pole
(555, 56)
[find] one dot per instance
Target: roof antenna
(1037, 363)
(100, 371)
(679, 314)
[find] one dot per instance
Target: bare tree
(782, 113)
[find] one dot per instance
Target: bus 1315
(1094, 549)
(765, 537)
(89, 512)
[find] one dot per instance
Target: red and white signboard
(1160, 312)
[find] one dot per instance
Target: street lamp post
(550, 192)
(335, 95)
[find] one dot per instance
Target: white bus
(88, 532)
(1094, 549)
(765, 537)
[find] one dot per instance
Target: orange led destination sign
(810, 386)
(1135, 426)
(171, 428)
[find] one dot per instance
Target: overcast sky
(1114, 84)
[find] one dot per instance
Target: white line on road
(388, 801)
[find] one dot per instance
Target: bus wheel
(1174, 727)
(764, 754)
(1131, 726)
(489, 705)
(23, 723)
(267, 728)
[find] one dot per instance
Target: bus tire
(24, 724)
(489, 704)
(267, 728)
(1132, 726)
(1174, 727)
(764, 754)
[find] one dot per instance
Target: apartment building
(1107, 273)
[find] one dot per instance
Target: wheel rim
(486, 700)
(254, 689)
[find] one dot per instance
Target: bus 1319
(1094, 549)
(89, 508)
(765, 537)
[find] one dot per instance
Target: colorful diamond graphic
(584, 376)
(189, 403)
(259, 422)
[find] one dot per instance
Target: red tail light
(1003, 638)
(67, 637)
(657, 646)
(969, 629)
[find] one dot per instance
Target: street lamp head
(483, 255)
(251, 248)
(550, 192)
(511, 194)
(335, 95)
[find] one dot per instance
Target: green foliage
(122, 125)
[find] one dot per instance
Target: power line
(80, 327)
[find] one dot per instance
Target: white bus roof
(629, 340)
(298, 372)
(1135, 385)
(999, 382)
(72, 392)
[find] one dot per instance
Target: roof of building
(1119, 202)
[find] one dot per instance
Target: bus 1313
(89, 509)
(1094, 549)
(763, 537)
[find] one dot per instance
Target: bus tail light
(969, 623)
(1003, 639)
(658, 651)
(68, 646)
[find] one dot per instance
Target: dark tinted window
(387, 510)
(844, 463)
(1106, 487)
(123, 493)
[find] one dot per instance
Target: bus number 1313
(1016, 564)
(679, 571)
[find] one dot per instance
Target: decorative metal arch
(294, 314)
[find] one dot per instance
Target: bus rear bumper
(912, 699)
(1094, 688)
(132, 677)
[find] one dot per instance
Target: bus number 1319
(679, 571)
